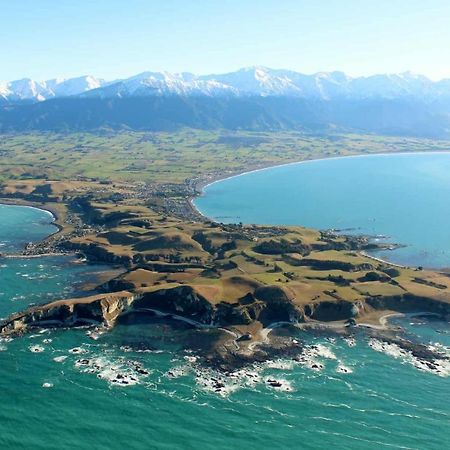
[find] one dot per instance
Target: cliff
(266, 305)
(222, 275)
(98, 309)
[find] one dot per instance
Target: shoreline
(246, 342)
(383, 261)
(69, 254)
(3, 202)
(56, 219)
(202, 184)
(56, 222)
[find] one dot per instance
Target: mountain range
(253, 81)
(28, 90)
(250, 98)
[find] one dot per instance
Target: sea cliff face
(407, 303)
(98, 309)
(266, 305)
(239, 277)
(182, 300)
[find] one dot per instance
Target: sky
(44, 39)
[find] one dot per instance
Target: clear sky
(43, 39)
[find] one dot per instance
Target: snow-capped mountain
(264, 82)
(257, 81)
(74, 86)
(27, 89)
(393, 86)
(252, 81)
(162, 83)
(268, 82)
(255, 98)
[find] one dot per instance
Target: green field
(244, 276)
(175, 157)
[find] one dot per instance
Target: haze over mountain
(27, 89)
(260, 81)
(250, 98)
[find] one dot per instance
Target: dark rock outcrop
(95, 252)
(181, 300)
(327, 311)
(278, 305)
(407, 303)
(104, 308)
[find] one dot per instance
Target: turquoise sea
(404, 197)
(56, 387)
(23, 225)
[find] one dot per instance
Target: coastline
(254, 376)
(383, 261)
(251, 338)
(97, 278)
(202, 184)
(27, 251)
(26, 204)
(243, 343)
(56, 219)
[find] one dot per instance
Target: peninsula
(243, 279)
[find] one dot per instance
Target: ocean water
(404, 197)
(26, 281)
(23, 225)
(58, 389)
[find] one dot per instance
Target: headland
(246, 280)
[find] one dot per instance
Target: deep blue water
(49, 400)
(405, 197)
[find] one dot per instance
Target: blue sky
(111, 38)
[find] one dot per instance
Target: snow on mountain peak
(249, 81)
(31, 90)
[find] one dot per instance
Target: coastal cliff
(231, 276)
(94, 310)
(266, 305)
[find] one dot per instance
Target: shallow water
(384, 402)
(52, 399)
(21, 225)
(38, 280)
(404, 197)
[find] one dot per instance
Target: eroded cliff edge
(243, 278)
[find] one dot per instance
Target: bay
(404, 197)
(51, 399)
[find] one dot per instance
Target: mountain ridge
(28, 90)
(250, 81)
(249, 99)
